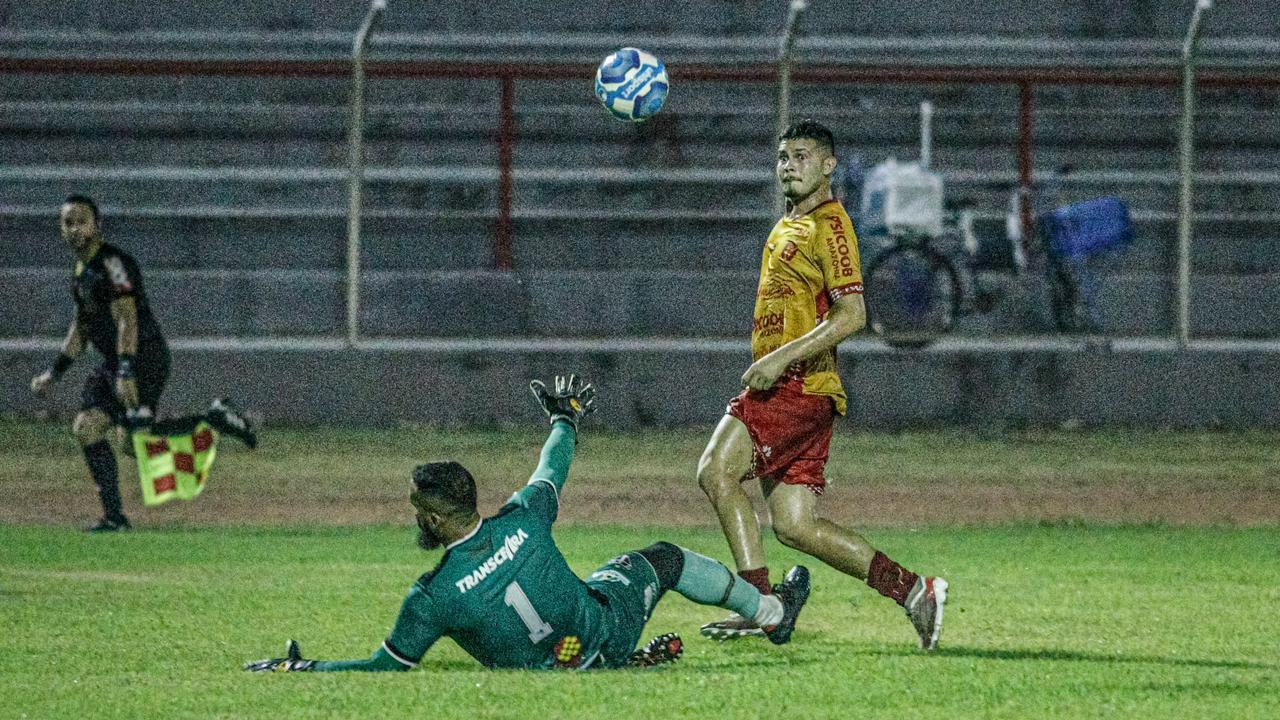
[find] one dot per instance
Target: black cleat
(106, 525)
(658, 651)
(229, 419)
(793, 591)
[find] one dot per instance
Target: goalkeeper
(504, 593)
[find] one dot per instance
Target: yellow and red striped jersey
(809, 262)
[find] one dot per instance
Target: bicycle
(920, 285)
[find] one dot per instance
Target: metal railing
(355, 166)
(1186, 162)
(786, 47)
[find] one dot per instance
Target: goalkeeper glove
(571, 400)
(292, 662)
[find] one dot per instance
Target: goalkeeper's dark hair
(448, 483)
(810, 130)
(88, 202)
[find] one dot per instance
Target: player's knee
(89, 427)
(792, 530)
(713, 479)
(667, 561)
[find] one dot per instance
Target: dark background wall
(1007, 18)
(231, 191)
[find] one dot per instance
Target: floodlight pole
(1190, 46)
(784, 80)
(355, 198)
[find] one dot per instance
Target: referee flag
(175, 466)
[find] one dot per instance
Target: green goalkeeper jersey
(504, 592)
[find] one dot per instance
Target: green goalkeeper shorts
(628, 586)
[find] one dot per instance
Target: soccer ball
(632, 84)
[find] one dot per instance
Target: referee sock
(102, 466)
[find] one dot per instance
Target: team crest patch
(568, 652)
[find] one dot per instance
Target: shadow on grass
(1077, 656)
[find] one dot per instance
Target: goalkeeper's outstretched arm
(382, 660)
(557, 454)
(417, 629)
(565, 406)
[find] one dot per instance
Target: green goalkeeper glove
(572, 399)
(292, 662)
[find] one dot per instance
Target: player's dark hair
(811, 130)
(448, 483)
(87, 202)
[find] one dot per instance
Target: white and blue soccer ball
(632, 84)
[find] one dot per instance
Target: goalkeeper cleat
(106, 525)
(731, 628)
(229, 419)
(793, 591)
(658, 651)
(924, 607)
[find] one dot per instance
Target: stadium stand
(231, 190)
(243, 178)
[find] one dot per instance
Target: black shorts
(99, 392)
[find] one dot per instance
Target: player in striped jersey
(779, 428)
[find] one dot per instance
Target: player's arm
(124, 311)
(565, 406)
(557, 454)
(846, 316)
(416, 630)
(72, 345)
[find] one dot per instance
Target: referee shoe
(229, 419)
(106, 525)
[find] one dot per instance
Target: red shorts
(790, 432)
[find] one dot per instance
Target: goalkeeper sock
(708, 582)
(102, 466)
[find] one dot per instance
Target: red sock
(759, 578)
(890, 579)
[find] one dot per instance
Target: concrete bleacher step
(308, 145)
(722, 112)
(1138, 304)
(580, 304)
(1013, 18)
(246, 238)
(624, 188)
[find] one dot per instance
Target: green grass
(1047, 620)
(1095, 574)
(47, 451)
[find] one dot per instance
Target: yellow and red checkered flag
(175, 466)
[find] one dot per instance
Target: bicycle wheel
(912, 296)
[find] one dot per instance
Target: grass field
(1093, 575)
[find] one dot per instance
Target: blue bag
(1089, 228)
